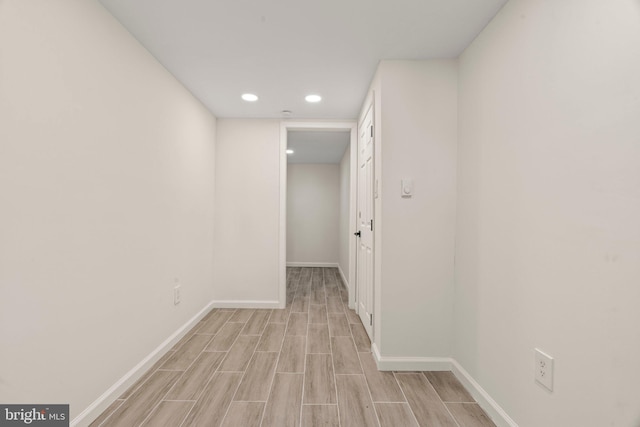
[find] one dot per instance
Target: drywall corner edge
(486, 402)
(89, 414)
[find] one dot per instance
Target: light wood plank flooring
(307, 365)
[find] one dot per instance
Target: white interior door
(365, 222)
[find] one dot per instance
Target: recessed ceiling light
(289, 151)
(313, 98)
(249, 97)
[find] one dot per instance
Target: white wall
(313, 213)
(416, 136)
(247, 212)
(548, 236)
(107, 181)
(345, 235)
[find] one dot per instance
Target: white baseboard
(312, 264)
(344, 278)
(352, 303)
(486, 402)
(387, 363)
(108, 397)
(247, 304)
(490, 406)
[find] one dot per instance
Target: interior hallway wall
(107, 184)
(548, 236)
(313, 213)
(345, 235)
(247, 210)
(416, 137)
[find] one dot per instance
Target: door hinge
(371, 224)
(371, 131)
(371, 319)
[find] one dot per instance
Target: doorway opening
(317, 203)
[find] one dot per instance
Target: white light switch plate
(406, 187)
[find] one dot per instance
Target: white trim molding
(312, 264)
(395, 363)
(486, 402)
(498, 415)
(344, 279)
(309, 125)
(245, 304)
(282, 218)
(99, 405)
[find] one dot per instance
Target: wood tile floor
(307, 365)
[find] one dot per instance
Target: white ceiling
(317, 146)
(282, 50)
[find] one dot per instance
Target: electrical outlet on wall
(544, 369)
(176, 294)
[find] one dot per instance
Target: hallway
(307, 365)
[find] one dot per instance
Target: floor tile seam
(244, 375)
(187, 413)
(366, 384)
(439, 398)
(450, 413)
(333, 366)
(350, 375)
(335, 382)
(263, 326)
(139, 386)
(112, 412)
(424, 373)
(319, 404)
(188, 335)
(235, 392)
(189, 367)
(304, 370)
(155, 407)
(275, 370)
(357, 353)
(200, 354)
(219, 329)
(405, 398)
(205, 387)
(228, 351)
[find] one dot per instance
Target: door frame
(285, 127)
